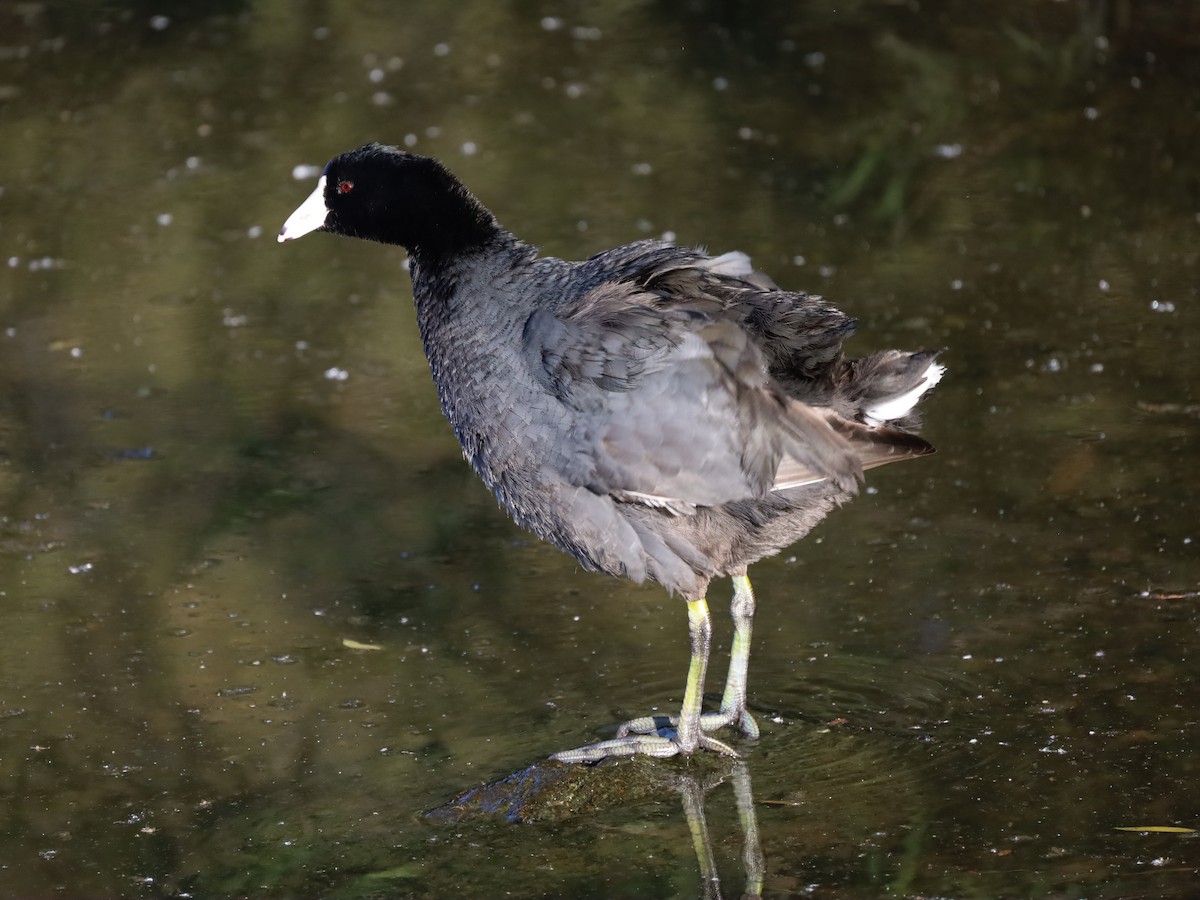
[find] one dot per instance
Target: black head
(381, 193)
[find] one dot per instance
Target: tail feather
(816, 445)
(870, 447)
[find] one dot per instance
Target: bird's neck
(447, 224)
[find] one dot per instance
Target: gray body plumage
(634, 409)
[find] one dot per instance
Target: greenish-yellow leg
(663, 735)
(669, 735)
(733, 702)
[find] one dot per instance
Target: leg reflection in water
(552, 793)
(693, 790)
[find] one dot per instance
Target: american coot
(654, 411)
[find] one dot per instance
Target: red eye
(345, 187)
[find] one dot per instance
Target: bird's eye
(345, 187)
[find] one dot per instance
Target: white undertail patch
(897, 407)
(735, 263)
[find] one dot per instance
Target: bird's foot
(659, 736)
(711, 721)
(661, 743)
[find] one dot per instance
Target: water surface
(222, 459)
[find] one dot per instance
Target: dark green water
(221, 458)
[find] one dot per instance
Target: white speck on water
(81, 569)
(229, 320)
(871, 489)
(441, 49)
(14, 261)
(301, 345)
(1162, 306)
(948, 151)
(395, 64)
(469, 148)
(335, 374)
(551, 23)
(433, 131)
(10, 332)
(1103, 285)
(304, 171)
(164, 219)
(798, 260)
(254, 231)
(814, 60)
(826, 271)
(376, 75)
(581, 225)
(193, 162)
(76, 352)
(575, 90)
(160, 23)
(956, 284)
(1096, 368)
(410, 140)
(381, 98)
(1101, 42)
(1085, 211)
(1091, 113)
(720, 84)
(745, 132)
(669, 237)
(642, 168)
